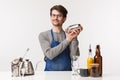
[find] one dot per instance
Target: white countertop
(57, 75)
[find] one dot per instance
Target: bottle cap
(98, 46)
(90, 50)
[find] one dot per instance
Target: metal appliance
(22, 67)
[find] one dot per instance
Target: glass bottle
(90, 59)
(98, 59)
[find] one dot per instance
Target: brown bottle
(98, 59)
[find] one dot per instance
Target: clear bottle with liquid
(90, 59)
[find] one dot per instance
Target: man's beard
(57, 24)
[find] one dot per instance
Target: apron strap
(64, 35)
(52, 35)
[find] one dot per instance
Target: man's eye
(54, 15)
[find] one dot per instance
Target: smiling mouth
(55, 21)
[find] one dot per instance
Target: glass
(40, 65)
(56, 15)
(94, 70)
(75, 65)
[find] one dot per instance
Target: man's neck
(57, 29)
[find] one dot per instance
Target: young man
(58, 45)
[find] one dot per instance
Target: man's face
(57, 18)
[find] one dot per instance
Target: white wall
(22, 20)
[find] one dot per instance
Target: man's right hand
(71, 34)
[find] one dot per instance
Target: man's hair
(59, 8)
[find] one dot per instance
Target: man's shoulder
(45, 33)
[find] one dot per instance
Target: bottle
(90, 59)
(98, 59)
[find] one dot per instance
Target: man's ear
(64, 19)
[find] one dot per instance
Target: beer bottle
(98, 59)
(89, 59)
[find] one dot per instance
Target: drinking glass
(75, 65)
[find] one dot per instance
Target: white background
(21, 21)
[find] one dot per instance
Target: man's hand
(71, 34)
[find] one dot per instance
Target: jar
(94, 70)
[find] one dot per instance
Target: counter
(57, 75)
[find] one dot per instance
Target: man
(58, 45)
